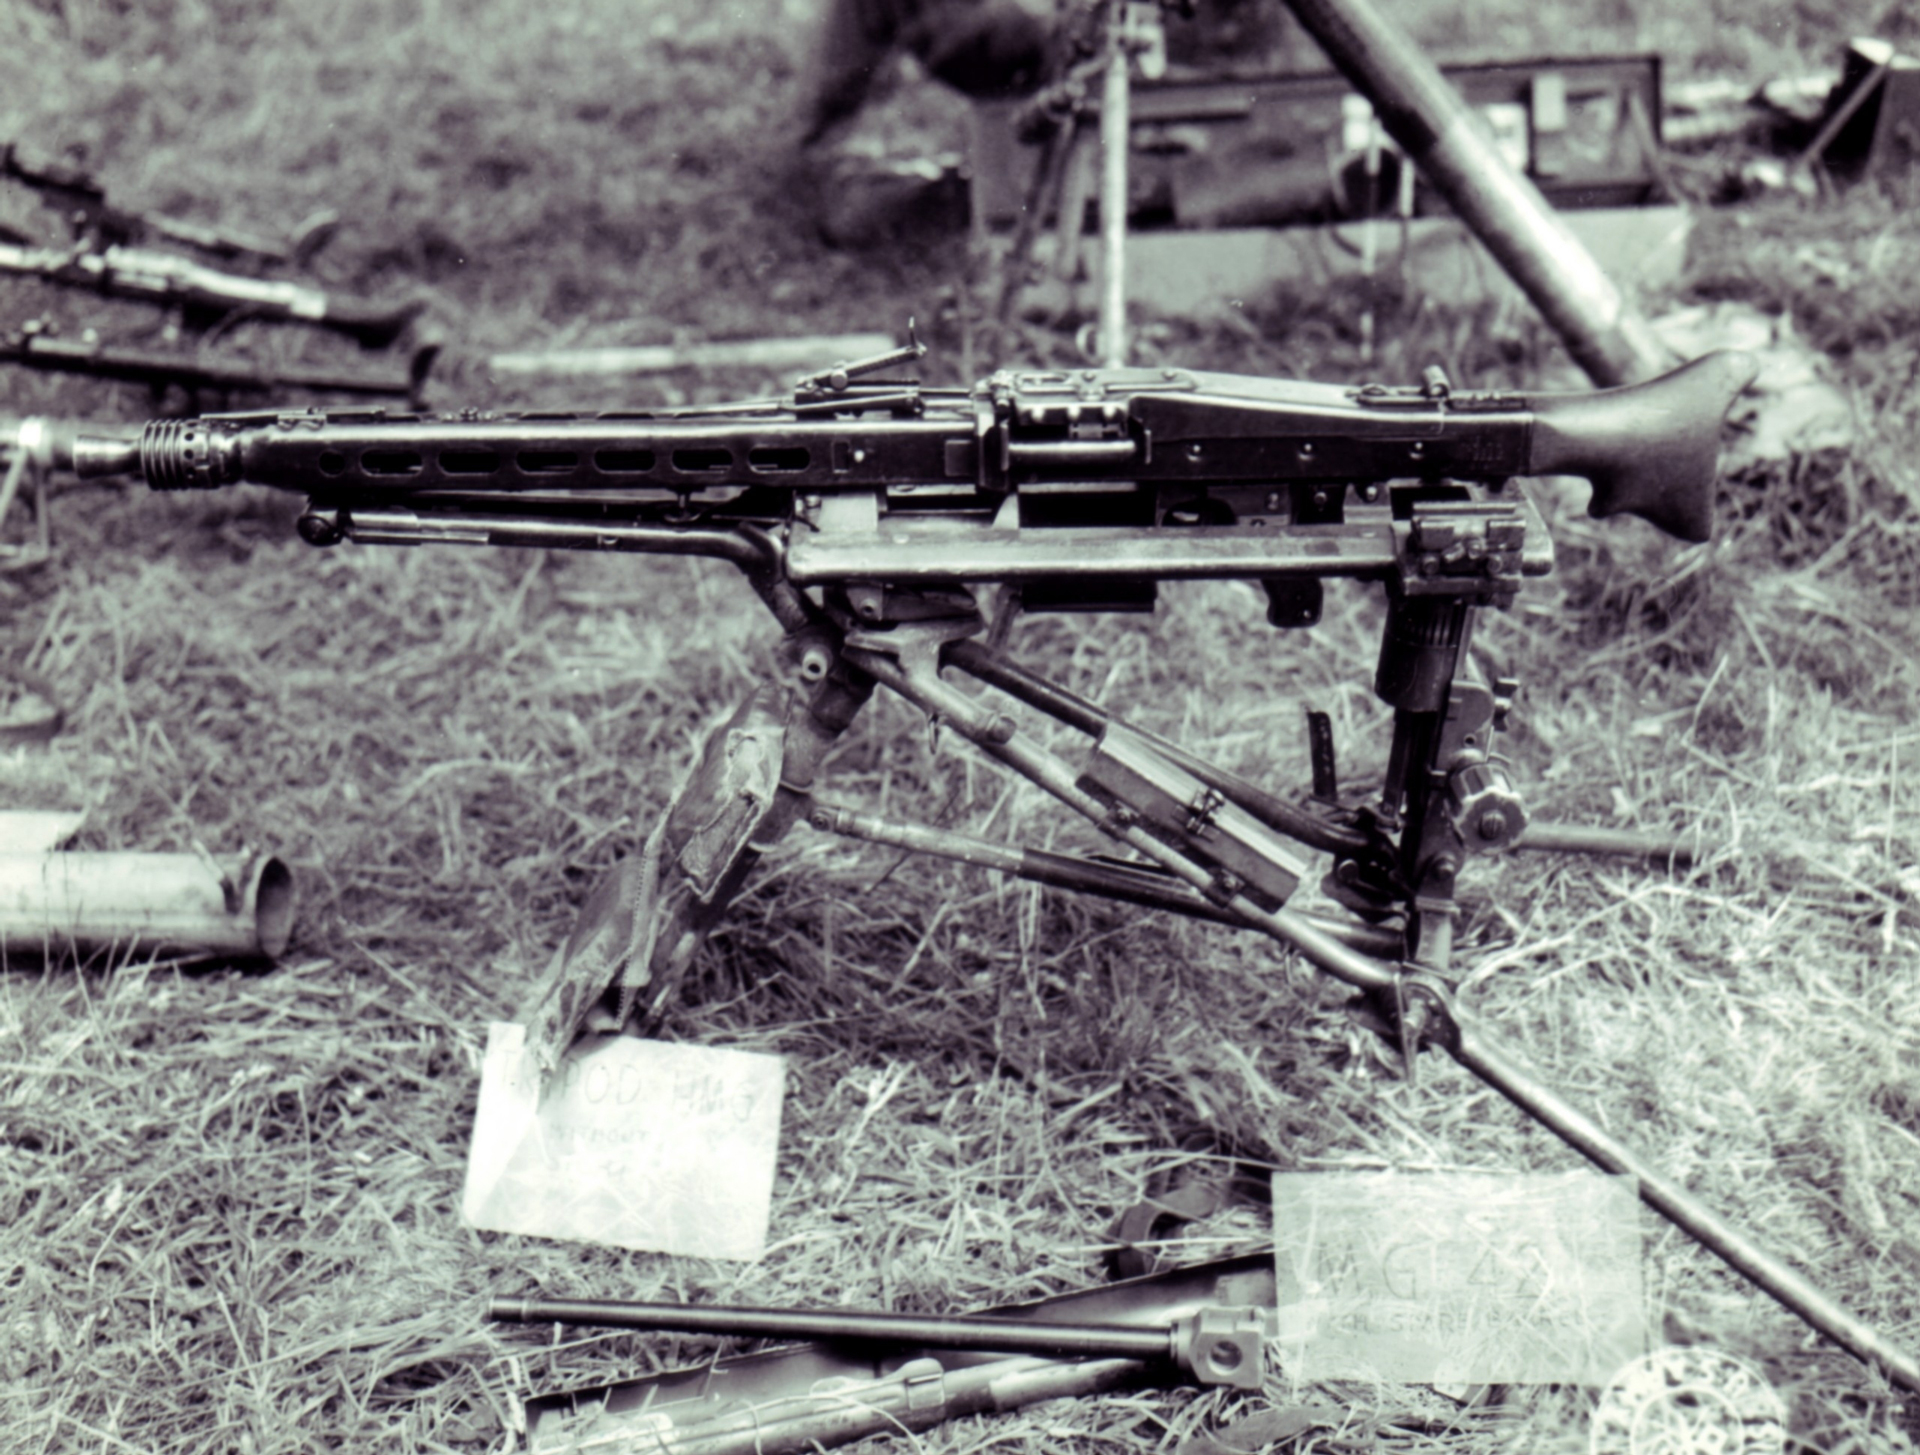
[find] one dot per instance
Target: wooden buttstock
(1650, 449)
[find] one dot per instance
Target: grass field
(229, 1196)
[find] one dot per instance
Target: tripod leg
(639, 928)
(1482, 1056)
(1438, 1024)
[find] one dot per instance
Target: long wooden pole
(1115, 104)
(1435, 127)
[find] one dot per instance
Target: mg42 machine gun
(894, 530)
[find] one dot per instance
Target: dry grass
(228, 1197)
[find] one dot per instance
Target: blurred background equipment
(59, 226)
(1282, 151)
(1872, 123)
(979, 47)
(1591, 130)
(74, 207)
(206, 293)
(35, 347)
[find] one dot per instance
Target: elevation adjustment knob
(1487, 811)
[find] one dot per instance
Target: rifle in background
(129, 272)
(89, 213)
(35, 348)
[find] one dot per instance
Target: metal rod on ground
(1008, 1335)
(1681, 1208)
(808, 1397)
(917, 1396)
(767, 353)
(1440, 133)
(1560, 838)
(1114, 109)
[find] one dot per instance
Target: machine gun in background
(895, 531)
(156, 277)
(105, 253)
(37, 348)
(90, 215)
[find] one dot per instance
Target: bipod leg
(1440, 1023)
(639, 928)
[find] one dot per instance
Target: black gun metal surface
(1248, 452)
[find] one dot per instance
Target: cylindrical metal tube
(1009, 1335)
(91, 456)
(50, 444)
(149, 902)
(1425, 114)
(1056, 458)
(1565, 838)
(917, 838)
(1419, 651)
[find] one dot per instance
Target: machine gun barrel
(1213, 1345)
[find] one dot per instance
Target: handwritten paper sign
(637, 1144)
(1458, 1278)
